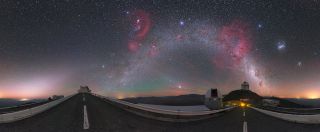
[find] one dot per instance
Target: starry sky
(159, 47)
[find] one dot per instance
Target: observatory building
(84, 89)
(245, 86)
(213, 99)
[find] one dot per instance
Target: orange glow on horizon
(313, 95)
(33, 86)
(120, 96)
(23, 95)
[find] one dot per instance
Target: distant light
(313, 95)
(260, 26)
(180, 86)
(120, 96)
(242, 104)
(24, 99)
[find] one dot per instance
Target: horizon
(123, 97)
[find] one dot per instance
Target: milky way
(185, 58)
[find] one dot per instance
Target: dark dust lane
(66, 117)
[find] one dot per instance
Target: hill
(182, 100)
(243, 94)
(310, 102)
(14, 102)
(287, 103)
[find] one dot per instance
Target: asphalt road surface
(87, 113)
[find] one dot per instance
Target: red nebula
(235, 41)
(141, 24)
(179, 37)
(133, 46)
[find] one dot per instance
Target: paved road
(67, 116)
(102, 116)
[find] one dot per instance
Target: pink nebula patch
(235, 42)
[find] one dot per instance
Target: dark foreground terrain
(104, 117)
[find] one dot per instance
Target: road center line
(84, 99)
(244, 113)
(245, 128)
(85, 118)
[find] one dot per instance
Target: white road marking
(245, 128)
(85, 118)
(244, 113)
(84, 99)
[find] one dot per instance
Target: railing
(298, 108)
(297, 111)
(19, 115)
(164, 115)
(4, 110)
(23, 105)
(306, 119)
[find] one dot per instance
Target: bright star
(299, 64)
(181, 23)
(281, 45)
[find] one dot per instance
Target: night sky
(159, 47)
